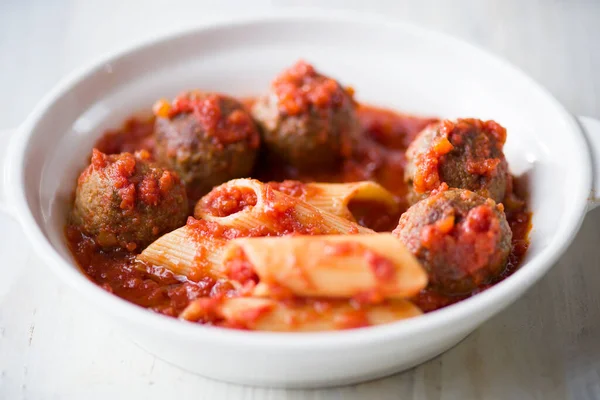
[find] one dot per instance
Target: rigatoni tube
(265, 314)
(330, 265)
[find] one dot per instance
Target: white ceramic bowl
(389, 64)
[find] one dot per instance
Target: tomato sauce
(228, 200)
(380, 157)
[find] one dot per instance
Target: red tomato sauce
(228, 200)
(380, 157)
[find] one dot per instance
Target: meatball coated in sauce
(206, 138)
(125, 200)
(309, 120)
(461, 238)
(465, 154)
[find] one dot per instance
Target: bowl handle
(5, 138)
(591, 128)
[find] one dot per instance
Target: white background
(545, 346)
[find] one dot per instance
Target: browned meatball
(206, 138)
(462, 239)
(308, 119)
(465, 154)
(124, 200)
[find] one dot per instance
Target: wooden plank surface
(545, 346)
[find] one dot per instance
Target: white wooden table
(545, 346)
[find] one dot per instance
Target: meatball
(206, 138)
(461, 238)
(125, 200)
(309, 120)
(465, 154)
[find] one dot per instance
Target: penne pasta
(335, 198)
(330, 266)
(186, 253)
(239, 208)
(237, 204)
(317, 315)
(252, 206)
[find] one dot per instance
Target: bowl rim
(508, 289)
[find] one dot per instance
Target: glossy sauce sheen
(380, 157)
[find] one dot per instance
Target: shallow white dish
(389, 64)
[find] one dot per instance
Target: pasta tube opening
(235, 204)
(272, 213)
(340, 198)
